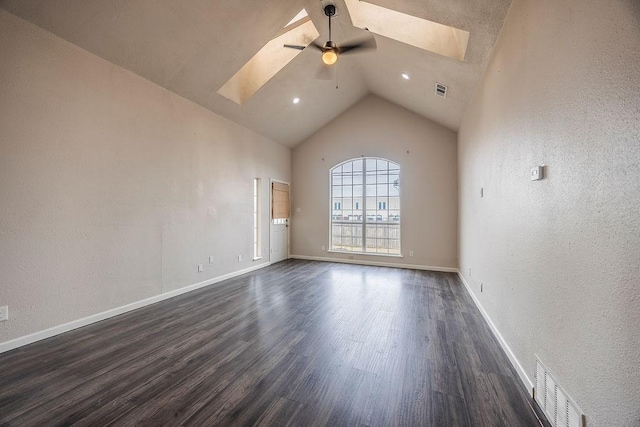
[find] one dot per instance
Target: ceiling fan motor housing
(330, 46)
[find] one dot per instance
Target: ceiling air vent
(441, 90)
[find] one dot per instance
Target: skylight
(301, 15)
(270, 59)
(427, 35)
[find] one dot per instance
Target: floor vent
(441, 90)
(558, 407)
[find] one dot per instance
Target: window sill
(365, 253)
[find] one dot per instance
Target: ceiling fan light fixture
(329, 57)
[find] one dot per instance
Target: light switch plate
(537, 173)
(4, 313)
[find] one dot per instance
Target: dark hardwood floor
(298, 343)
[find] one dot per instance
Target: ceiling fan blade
(326, 72)
(318, 46)
(360, 46)
(293, 46)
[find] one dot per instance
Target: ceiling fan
(330, 50)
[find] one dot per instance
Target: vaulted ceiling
(194, 47)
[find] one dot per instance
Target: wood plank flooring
(298, 343)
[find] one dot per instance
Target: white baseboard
(375, 263)
(512, 357)
(56, 330)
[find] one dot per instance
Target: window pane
(394, 204)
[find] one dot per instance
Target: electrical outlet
(239, 258)
(200, 268)
(410, 253)
(210, 260)
(4, 313)
(323, 248)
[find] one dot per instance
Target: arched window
(365, 206)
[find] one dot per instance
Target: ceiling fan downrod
(330, 11)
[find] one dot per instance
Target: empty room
(313, 212)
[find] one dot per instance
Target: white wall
(112, 189)
(560, 258)
(427, 155)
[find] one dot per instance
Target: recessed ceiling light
(406, 76)
(296, 100)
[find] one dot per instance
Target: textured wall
(560, 258)
(426, 153)
(112, 189)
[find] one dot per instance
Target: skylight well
(270, 59)
(299, 17)
(427, 35)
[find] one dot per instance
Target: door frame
(271, 181)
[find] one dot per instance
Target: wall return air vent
(441, 90)
(558, 407)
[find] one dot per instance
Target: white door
(279, 240)
(279, 227)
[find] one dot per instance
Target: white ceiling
(193, 47)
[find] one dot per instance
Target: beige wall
(112, 189)
(426, 153)
(560, 258)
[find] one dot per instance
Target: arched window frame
(367, 230)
